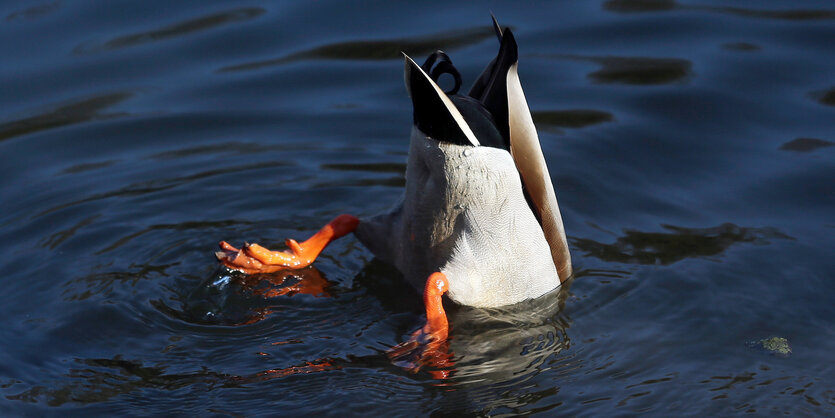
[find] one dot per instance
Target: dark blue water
(691, 144)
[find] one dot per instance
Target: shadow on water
(69, 114)
(637, 6)
(178, 29)
(680, 243)
(806, 144)
(377, 49)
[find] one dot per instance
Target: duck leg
(253, 258)
(437, 325)
(428, 346)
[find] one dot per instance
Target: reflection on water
(69, 114)
(178, 29)
(378, 49)
(632, 6)
(806, 144)
(680, 243)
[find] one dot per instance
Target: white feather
(464, 214)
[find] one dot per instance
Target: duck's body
(464, 214)
(479, 218)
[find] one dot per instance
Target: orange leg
(430, 342)
(437, 326)
(253, 258)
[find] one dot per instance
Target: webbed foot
(253, 258)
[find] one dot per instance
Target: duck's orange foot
(253, 258)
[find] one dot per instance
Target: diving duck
(478, 220)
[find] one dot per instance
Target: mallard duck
(479, 219)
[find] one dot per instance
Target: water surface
(690, 143)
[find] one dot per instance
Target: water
(690, 143)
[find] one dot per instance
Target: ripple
(82, 167)
(806, 144)
(398, 181)
(643, 6)
(666, 248)
(103, 283)
(741, 46)
(826, 97)
(69, 114)
(571, 118)
(153, 186)
(59, 237)
(368, 167)
(234, 299)
(641, 70)
(177, 29)
(34, 12)
(633, 70)
(183, 226)
(96, 380)
(377, 49)
(634, 6)
(224, 148)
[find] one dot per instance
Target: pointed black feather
(491, 87)
(430, 113)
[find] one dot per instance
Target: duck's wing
(501, 92)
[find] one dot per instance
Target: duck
(478, 220)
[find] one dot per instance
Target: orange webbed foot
(253, 258)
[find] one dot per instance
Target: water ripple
(806, 144)
(69, 114)
(377, 49)
(571, 118)
(638, 6)
(153, 186)
(680, 243)
(633, 70)
(177, 29)
(34, 12)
